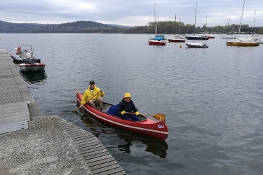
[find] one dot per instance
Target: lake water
(212, 98)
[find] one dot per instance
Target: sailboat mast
(205, 24)
(241, 19)
(228, 27)
(195, 16)
(155, 19)
(174, 24)
(179, 30)
(254, 21)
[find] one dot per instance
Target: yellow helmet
(127, 95)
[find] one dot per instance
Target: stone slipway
(31, 143)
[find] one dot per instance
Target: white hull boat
(33, 67)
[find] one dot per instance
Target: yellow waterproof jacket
(91, 95)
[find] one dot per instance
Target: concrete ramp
(13, 116)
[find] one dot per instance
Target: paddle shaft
(139, 114)
(159, 116)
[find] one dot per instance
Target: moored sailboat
(157, 39)
(196, 45)
(177, 37)
(196, 37)
(239, 41)
(208, 35)
(254, 37)
(228, 36)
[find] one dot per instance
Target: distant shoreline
(168, 27)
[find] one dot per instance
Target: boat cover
(159, 38)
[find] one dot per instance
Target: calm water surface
(212, 98)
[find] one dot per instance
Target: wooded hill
(164, 27)
(71, 27)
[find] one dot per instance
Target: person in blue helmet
(127, 109)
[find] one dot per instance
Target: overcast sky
(132, 12)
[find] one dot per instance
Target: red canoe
(152, 128)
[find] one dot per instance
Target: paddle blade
(75, 111)
(160, 117)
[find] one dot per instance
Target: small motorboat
(197, 45)
(146, 126)
(24, 54)
(26, 60)
(31, 67)
(177, 38)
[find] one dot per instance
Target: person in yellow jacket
(93, 96)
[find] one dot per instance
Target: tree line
(172, 27)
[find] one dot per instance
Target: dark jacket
(128, 107)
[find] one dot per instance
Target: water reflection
(34, 77)
(155, 146)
